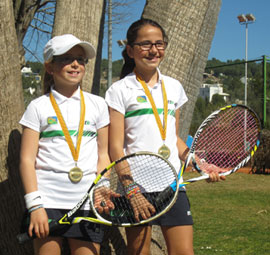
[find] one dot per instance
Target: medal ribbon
(75, 151)
(162, 129)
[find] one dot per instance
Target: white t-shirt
(141, 130)
(54, 159)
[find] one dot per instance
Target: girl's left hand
(141, 207)
(214, 177)
(212, 170)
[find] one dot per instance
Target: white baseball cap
(61, 44)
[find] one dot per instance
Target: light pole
(245, 20)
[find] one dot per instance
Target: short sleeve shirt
(54, 159)
(141, 130)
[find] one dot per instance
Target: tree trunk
(11, 105)
(190, 26)
(84, 19)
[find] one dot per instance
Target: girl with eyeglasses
(144, 111)
(64, 145)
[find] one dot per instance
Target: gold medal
(164, 151)
(75, 174)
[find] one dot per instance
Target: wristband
(104, 182)
(35, 208)
(132, 189)
(33, 199)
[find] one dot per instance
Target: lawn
(231, 217)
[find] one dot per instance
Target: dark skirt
(85, 231)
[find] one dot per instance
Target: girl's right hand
(39, 223)
(105, 195)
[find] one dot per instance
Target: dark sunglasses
(66, 60)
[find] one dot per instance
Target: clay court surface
(248, 170)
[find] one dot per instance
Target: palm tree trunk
(190, 26)
(83, 19)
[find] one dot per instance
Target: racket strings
(146, 176)
(227, 139)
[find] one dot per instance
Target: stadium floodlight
(242, 18)
(250, 17)
(245, 20)
(122, 43)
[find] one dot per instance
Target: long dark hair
(47, 82)
(132, 34)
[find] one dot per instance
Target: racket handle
(164, 195)
(24, 237)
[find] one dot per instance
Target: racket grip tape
(24, 237)
(164, 195)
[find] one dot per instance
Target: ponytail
(128, 66)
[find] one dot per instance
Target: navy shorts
(85, 231)
(178, 215)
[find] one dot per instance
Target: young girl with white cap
(58, 166)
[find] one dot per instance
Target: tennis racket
(224, 142)
(122, 190)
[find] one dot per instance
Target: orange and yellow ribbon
(75, 151)
(162, 129)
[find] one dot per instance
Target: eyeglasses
(146, 45)
(66, 60)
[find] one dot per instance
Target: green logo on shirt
(52, 120)
(141, 99)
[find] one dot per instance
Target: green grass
(231, 217)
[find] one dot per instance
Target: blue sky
(229, 39)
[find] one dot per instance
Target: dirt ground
(247, 170)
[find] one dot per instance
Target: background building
(208, 90)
